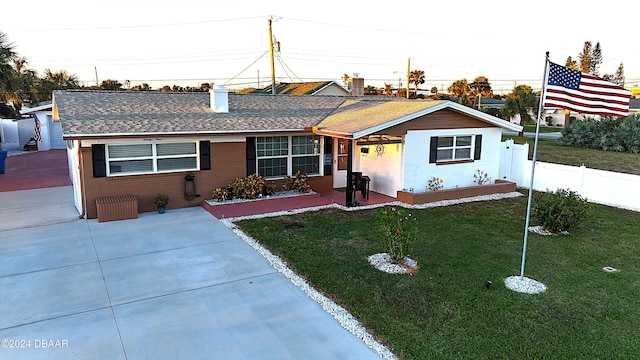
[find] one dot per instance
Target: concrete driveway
(174, 286)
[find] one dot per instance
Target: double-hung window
(455, 148)
(280, 156)
(150, 158)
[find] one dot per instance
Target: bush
(297, 183)
(223, 194)
(559, 211)
(609, 134)
(397, 229)
(250, 187)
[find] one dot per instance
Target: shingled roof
(105, 114)
(101, 114)
(303, 88)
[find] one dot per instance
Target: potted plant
(161, 201)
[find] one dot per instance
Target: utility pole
(273, 68)
(409, 76)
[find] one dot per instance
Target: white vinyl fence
(598, 186)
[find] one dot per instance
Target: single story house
(50, 131)
(143, 143)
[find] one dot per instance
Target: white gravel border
(343, 317)
(524, 285)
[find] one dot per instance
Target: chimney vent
(357, 86)
(219, 99)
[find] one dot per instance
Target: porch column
(349, 192)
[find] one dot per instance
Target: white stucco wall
(385, 171)
(9, 134)
(418, 171)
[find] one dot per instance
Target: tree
(585, 58)
(521, 101)
(481, 86)
(8, 75)
(461, 91)
(434, 90)
(110, 84)
(388, 89)
(143, 87)
(596, 60)
(416, 77)
(571, 64)
(618, 77)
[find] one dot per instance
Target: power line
(27, 29)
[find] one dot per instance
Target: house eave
(445, 105)
(175, 134)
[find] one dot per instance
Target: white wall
(74, 172)
(9, 134)
(385, 171)
(599, 186)
(418, 171)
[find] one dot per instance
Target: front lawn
(444, 311)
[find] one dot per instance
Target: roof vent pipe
(219, 99)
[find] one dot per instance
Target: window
(149, 158)
(454, 148)
(279, 156)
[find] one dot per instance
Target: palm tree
(521, 101)
(416, 77)
(7, 73)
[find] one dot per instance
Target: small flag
(584, 93)
(36, 130)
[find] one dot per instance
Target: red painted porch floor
(266, 206)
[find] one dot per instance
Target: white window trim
(154, 158)
(290, 156)
(453, 148)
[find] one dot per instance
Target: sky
(189, 42)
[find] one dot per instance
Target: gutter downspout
(81, 184)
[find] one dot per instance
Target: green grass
(550, 151)
(444, 312)
(543, 129)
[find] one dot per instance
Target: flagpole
(533, 166)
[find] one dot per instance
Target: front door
(340, 147)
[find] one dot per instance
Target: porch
(266, 206)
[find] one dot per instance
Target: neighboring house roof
(304, 88)
(487, 102)
(40, 107)
(93, 114)
(634, 105)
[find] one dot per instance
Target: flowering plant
(481, 177)
(435, 184)
(397, 228)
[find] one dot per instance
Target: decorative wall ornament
(380, 150)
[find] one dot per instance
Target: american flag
(585, 94)
(36, 130)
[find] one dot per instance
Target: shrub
(223, 194)
(481, 177)
(397, 229)
(435, 184)
(251, 187)
(559, 211)
(297, 183)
